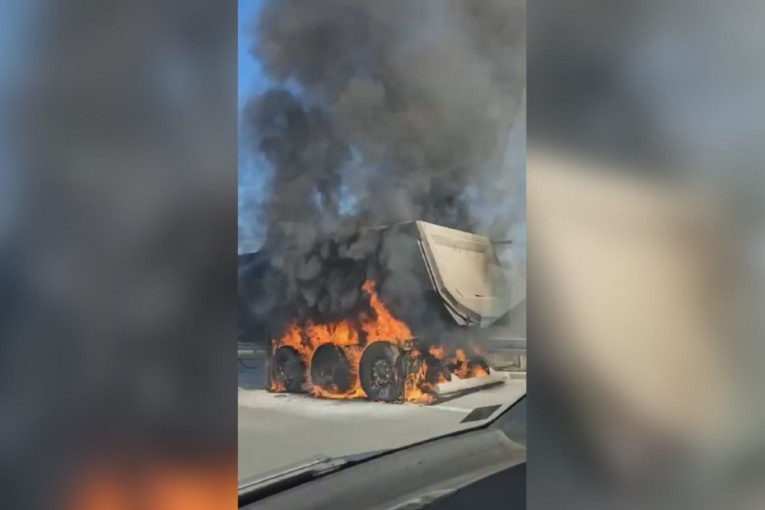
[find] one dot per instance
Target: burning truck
(396, 313)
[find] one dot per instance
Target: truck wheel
(331, 370)
(380, 372)
(287, 370)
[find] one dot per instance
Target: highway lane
(276, 430)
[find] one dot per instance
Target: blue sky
(250, 78)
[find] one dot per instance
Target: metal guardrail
(250, 351)
(506, 343)
(507, 354)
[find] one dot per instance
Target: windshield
(373, 134)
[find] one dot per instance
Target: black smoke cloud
(383, 112)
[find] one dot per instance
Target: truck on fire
(424, 302)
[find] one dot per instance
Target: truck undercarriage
(373, 353)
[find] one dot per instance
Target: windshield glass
(382, 157)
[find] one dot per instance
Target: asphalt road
(276, 430)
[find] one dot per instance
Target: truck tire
(380, 372)
(331, 370)
(287, 370)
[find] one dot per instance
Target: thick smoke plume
(382, 112)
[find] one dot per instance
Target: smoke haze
(386, 112)
(382, 112)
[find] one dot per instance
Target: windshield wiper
(259, 487)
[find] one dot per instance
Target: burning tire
(380, 371)
(287, 370)
(331, 370)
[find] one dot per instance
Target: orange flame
(416, 387)
(383, 326)
(479, 371)
(437, 352)
(378, 326)
(463, 368)
(276, 386)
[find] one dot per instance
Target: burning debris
(330, 347)
(371, 356)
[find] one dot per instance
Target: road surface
(276, 430)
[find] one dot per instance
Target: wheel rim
(380, 372)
